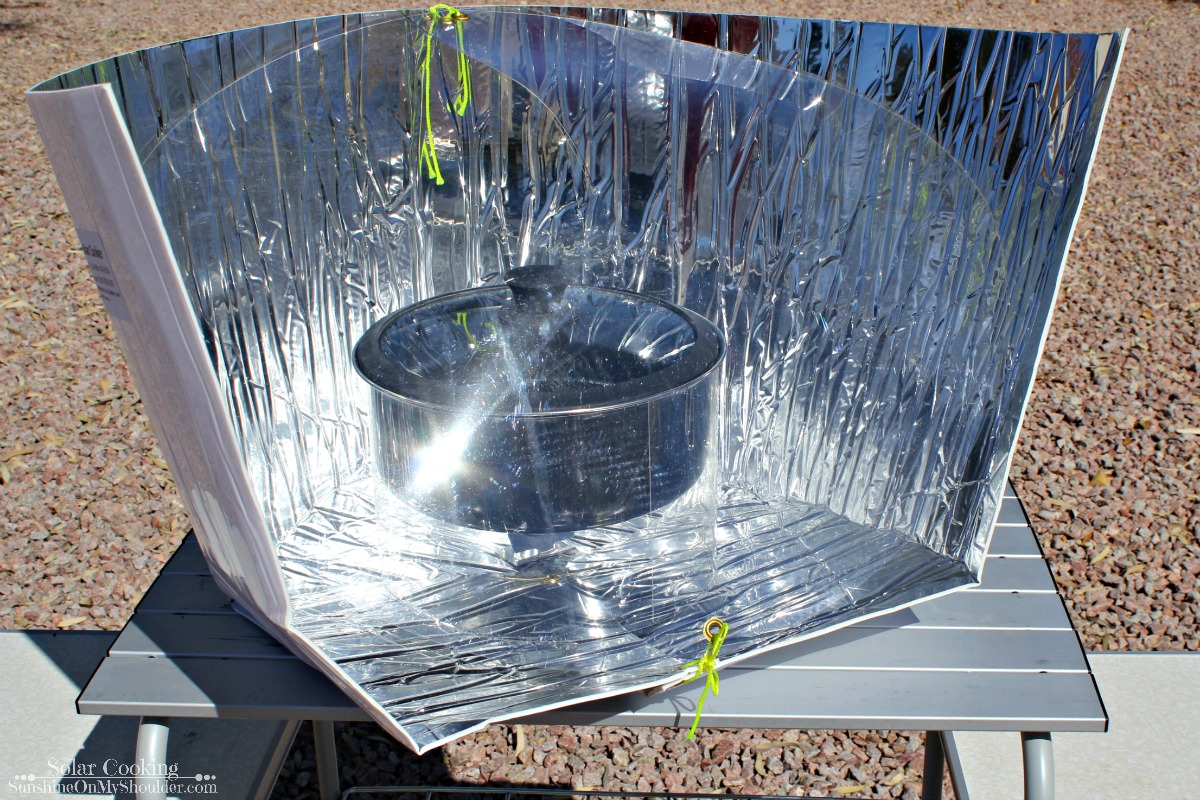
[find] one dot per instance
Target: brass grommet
(712, 628)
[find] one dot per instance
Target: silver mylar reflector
(873, 218)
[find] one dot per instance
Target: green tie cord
(445, 15)
(714, 631)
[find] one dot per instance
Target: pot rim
(706, 333)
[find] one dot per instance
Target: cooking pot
(540, 405)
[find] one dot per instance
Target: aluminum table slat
(901, 649)
(1012, 540)
(1015, 574)
(1012, 513)
(130, 685)
(185, 593)
(196, 636)
(973, 610)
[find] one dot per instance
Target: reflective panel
(873, 217)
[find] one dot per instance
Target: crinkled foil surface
(875, 216)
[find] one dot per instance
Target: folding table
(999, 657)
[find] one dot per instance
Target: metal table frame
(999, 657)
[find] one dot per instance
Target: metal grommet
(712, 628)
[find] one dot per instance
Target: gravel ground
(812, 763)
(1108, 464)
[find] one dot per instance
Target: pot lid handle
(537, 287)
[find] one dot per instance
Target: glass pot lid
(537, 344)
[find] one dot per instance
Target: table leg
(152, 757)
(935, 766)
(327, 766)
(1039, 766)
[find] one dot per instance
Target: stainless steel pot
(540, 406)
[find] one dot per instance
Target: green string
(707, 665)
(445, 15)
(461, 320)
